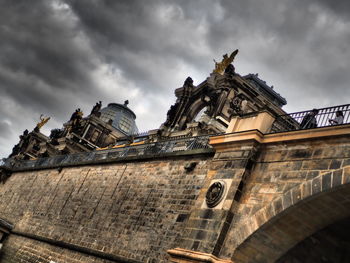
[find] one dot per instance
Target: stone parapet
(133, 210)
(226, 140)
(171, 148)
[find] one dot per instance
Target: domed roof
(122, 118)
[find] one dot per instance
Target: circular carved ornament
(215, 194)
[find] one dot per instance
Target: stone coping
(92, 158)
(223, 141)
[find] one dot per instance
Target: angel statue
(227, 60)
(42, 122)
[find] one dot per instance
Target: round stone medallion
(215, 194)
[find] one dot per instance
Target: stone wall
(21, 249)
(122, 211)
(135, 210)
(285, 174)
(207, 227)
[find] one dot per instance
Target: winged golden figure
(227, 60)
(43, 121)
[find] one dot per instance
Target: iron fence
(163, 146)
(303, 120)
(143, 150)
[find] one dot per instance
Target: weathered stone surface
(20, 249)
(283, 176)
(136, 209)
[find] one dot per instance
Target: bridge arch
(293, 217)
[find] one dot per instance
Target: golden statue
(227, 60)
(42, 122)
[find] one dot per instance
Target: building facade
(243, 182)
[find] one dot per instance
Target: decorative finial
(227, 60)
(126, 103)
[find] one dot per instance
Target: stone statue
(227, 60)
(15, 151)
(188, 82)
(210, 97)
(96, 108)
(78, 114)
(230, 70)
(75, 120)
(171, 114)
(55, 134)
(22, 145)
(237, 105)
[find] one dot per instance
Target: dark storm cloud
(56, 55)
(39, 54)
(300, 47)
(340, 8)
(300, 41)
(5, 128)
(44, 64)
(132, 34)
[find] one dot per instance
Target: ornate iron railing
(161, 147)
(143, 150)
(139, 134)
(293, 121)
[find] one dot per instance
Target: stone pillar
(210, 221)
(208, 224)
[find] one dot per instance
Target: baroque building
(101, 128)
(228, 177)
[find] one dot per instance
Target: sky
(58, 55)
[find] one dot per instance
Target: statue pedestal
(261, 121)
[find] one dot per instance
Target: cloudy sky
(57, 55)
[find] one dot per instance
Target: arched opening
(294, 225)
(200, 114)
(195, 110)
(330, 244)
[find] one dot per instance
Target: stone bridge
(283, 197)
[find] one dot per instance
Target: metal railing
(143, 150)
(140, 134)
(161, 147)
(297, 120)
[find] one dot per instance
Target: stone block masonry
(207, 227)
(135, 210)
(20, 249)
(284, 175)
